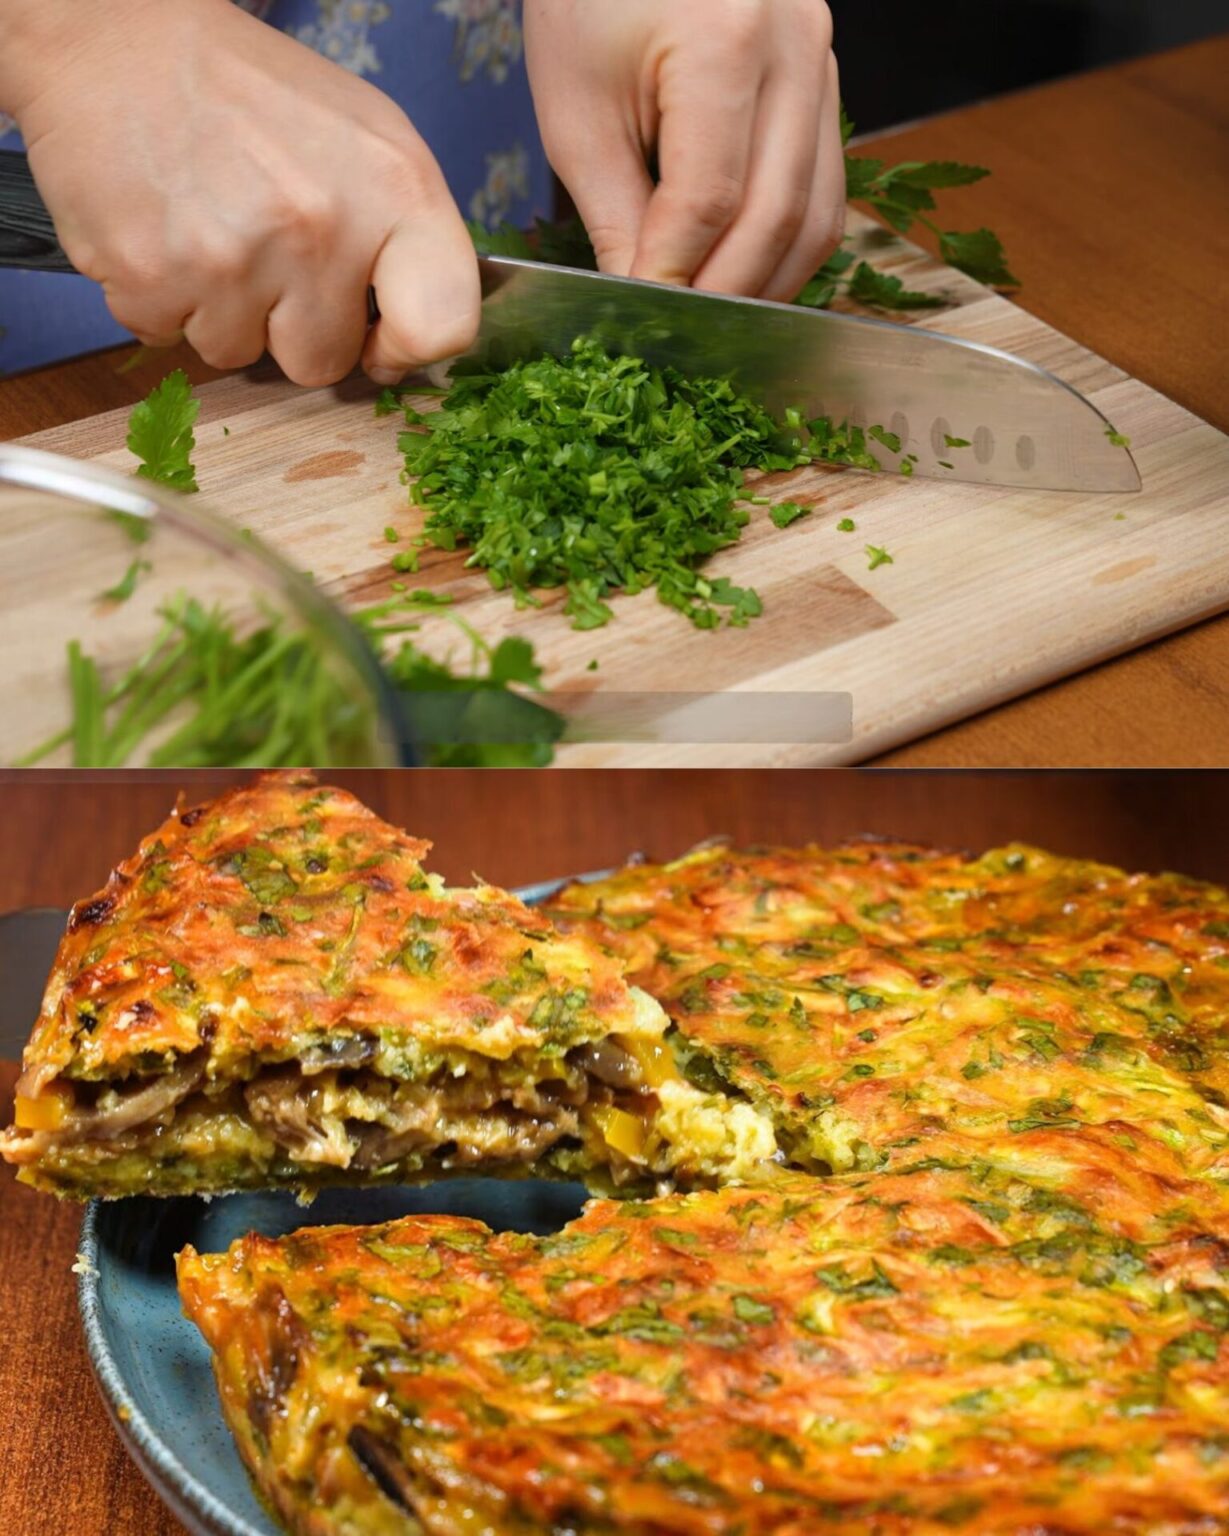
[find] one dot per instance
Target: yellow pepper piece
(45, 1113)
(656, 1060)
(620, 1130)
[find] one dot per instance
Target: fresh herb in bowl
(210, 691)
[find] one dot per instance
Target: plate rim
(171, 1478)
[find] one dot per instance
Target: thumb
(426, 283)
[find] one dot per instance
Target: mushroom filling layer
(324, 1112)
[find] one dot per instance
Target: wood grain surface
(949, 625)
(62, 1468)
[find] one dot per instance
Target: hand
(225, 182)
(741, 101)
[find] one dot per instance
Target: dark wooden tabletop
(62, 1468)
(1108, 192)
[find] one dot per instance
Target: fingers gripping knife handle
(27, 235)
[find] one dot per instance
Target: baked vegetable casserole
(916, 1171)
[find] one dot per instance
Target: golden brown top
(877, 995)
(930, 1349)
(285, 919)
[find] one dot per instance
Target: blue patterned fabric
(455, 66)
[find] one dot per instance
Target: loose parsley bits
(787, 512)
(127, 585)
(602, 474)
(877, 557)
(846, 525)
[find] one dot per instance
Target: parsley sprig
(160, 433)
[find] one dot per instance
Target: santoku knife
(1023, 426)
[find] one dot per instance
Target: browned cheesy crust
(274, 991)
(900, 1353)
(875, 997)
(997, 1300)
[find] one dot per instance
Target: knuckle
(141, 267)
(315, 366)
(448, 335)
(400, 169)
(220, 262)
(610, 240)
(228, 354)
(314, 373)
(827, 228)
(300, 221)
(714, 204)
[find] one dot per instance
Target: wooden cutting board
(990, 593)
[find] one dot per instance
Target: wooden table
(61, 1466)
(1105, 190)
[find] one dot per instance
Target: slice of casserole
(273, 991)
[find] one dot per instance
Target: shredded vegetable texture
(602, 474)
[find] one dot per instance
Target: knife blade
(28, 942)
(1025, 427)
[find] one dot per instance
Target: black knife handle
(27, 235)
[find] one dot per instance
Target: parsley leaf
(878, 557)
(980, 255)
(871, 287)
(889, 439)
(160, 433)
(507, 240)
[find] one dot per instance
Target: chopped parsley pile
(601, 474)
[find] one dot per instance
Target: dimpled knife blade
(1024, 427)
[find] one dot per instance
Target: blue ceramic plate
(153, 1366)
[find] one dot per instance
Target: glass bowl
(139, 629)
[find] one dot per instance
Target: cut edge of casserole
(273, 992)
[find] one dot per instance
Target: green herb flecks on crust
(906, 1354)
(274, 991)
